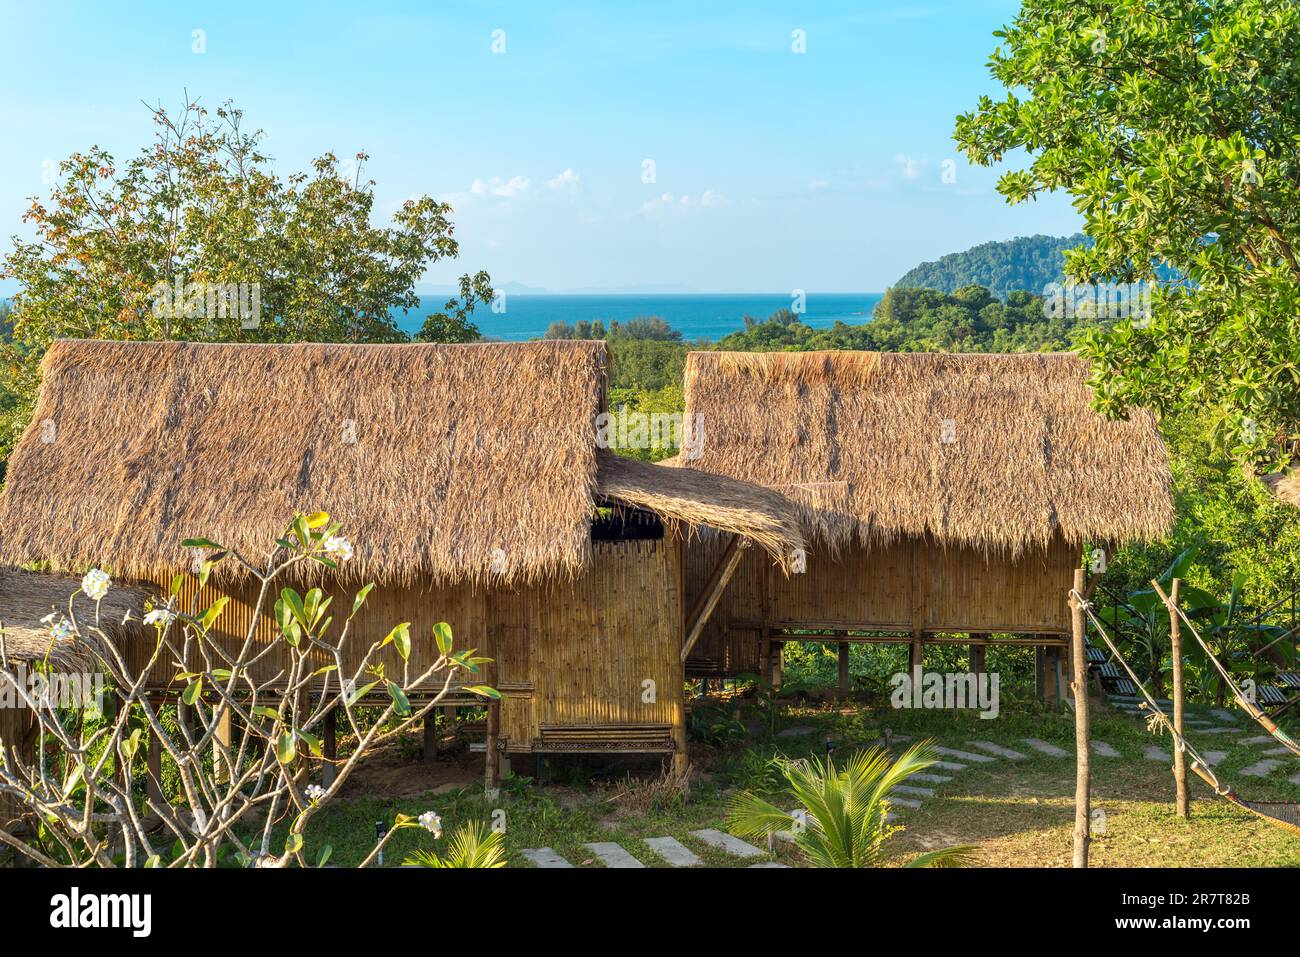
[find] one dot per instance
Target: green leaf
(208, 617)
(401, 705)
(192, 691)
(293, 844)
(360, 600)
(442, 635)
(285, 749)
(264, 711)
(199, 543)
(484, 691)
(325, 853)
(359, 693)
(317, 519)
(313, 743)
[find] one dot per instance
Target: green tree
(1175, 127)
(197, 238)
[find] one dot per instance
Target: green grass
(1017, 813)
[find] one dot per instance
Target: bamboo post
(1079, 686)
(978, 654)
(844, 669)
(430, 736)
(1182, 804)
(492, 772)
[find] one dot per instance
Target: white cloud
(496, 186)
(666, 202)
(566, 182)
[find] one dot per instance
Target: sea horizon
(695, 315)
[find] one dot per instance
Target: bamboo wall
(908, 586)
(573, 655)
(600, 652)
(15, 723)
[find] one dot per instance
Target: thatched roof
(433, 457)
(27, 597)
(999, 452)
(439, 460)
(694, 498)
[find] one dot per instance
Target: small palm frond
(961, 856)
(473, 845)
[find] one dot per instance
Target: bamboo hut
(946, 497)
(468, 479)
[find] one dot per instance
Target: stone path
(612, 855)
(1049, 749)
(1261, 768)
(931, 778)
(673, 851)
(915, 791)
(1104, 750)
(997, 749)
(726, 842)
(1212, 758)
(1152, 753)
(953, 765)
(545, 857)
(966, 756)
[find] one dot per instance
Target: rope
(1249, 707)
(1199, 765)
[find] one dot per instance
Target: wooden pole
(492, 772)
(712, 594)
(1182, 804)
(978, 654)
(431, 736)
(1079, 686)
(844, 669)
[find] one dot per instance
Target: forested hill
(1027, 263)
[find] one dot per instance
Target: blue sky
(773, 170)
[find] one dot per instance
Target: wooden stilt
(221, 740)
(1082, 781)
(492, 773)
(844, 669)
(778, 656)
(431, 736)
(977, 655)
(1182, 803)
(330, 747)
(916, 653)
(449, 717)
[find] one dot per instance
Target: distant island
(1025, 264)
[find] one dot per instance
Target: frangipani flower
(432, 823)
(314, 792)
(159, 616)
(95, 584)
(338, 548)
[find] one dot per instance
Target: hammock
(1267, 723)
(1283, 814)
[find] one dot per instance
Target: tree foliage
(1175, 127)
(1026, 263)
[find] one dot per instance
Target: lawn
(1015, 812)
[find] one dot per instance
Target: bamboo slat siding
(594, 643)
(14, 726)
(905, 586)
(461, 607)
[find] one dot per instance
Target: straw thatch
(998, 452)
(435, 458)
(28, 597)
(694, 498)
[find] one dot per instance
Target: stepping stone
(896, 739)
(903, 802)
(1223, 714)
(732, 845)
(997, 749)
(932, 778)
(673, 851)
(1277, 752)
(915, 792)
(1049, 749)
(1295, 780)
(1197, 723)
(948, 766)
(798, 731)
(1261, 768)
(612, 855)
(769, 864)
(1152, 753)
(1104, 750)
(966, 755)
(1258, 739)
(1218, 730)
(545, 857)
(1212, 758)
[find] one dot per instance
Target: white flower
(159, 616)
(95, 584)
(61, 629)
(314, 792)
(432, 823)
(338, 548)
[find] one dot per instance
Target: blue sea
(708, 316)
